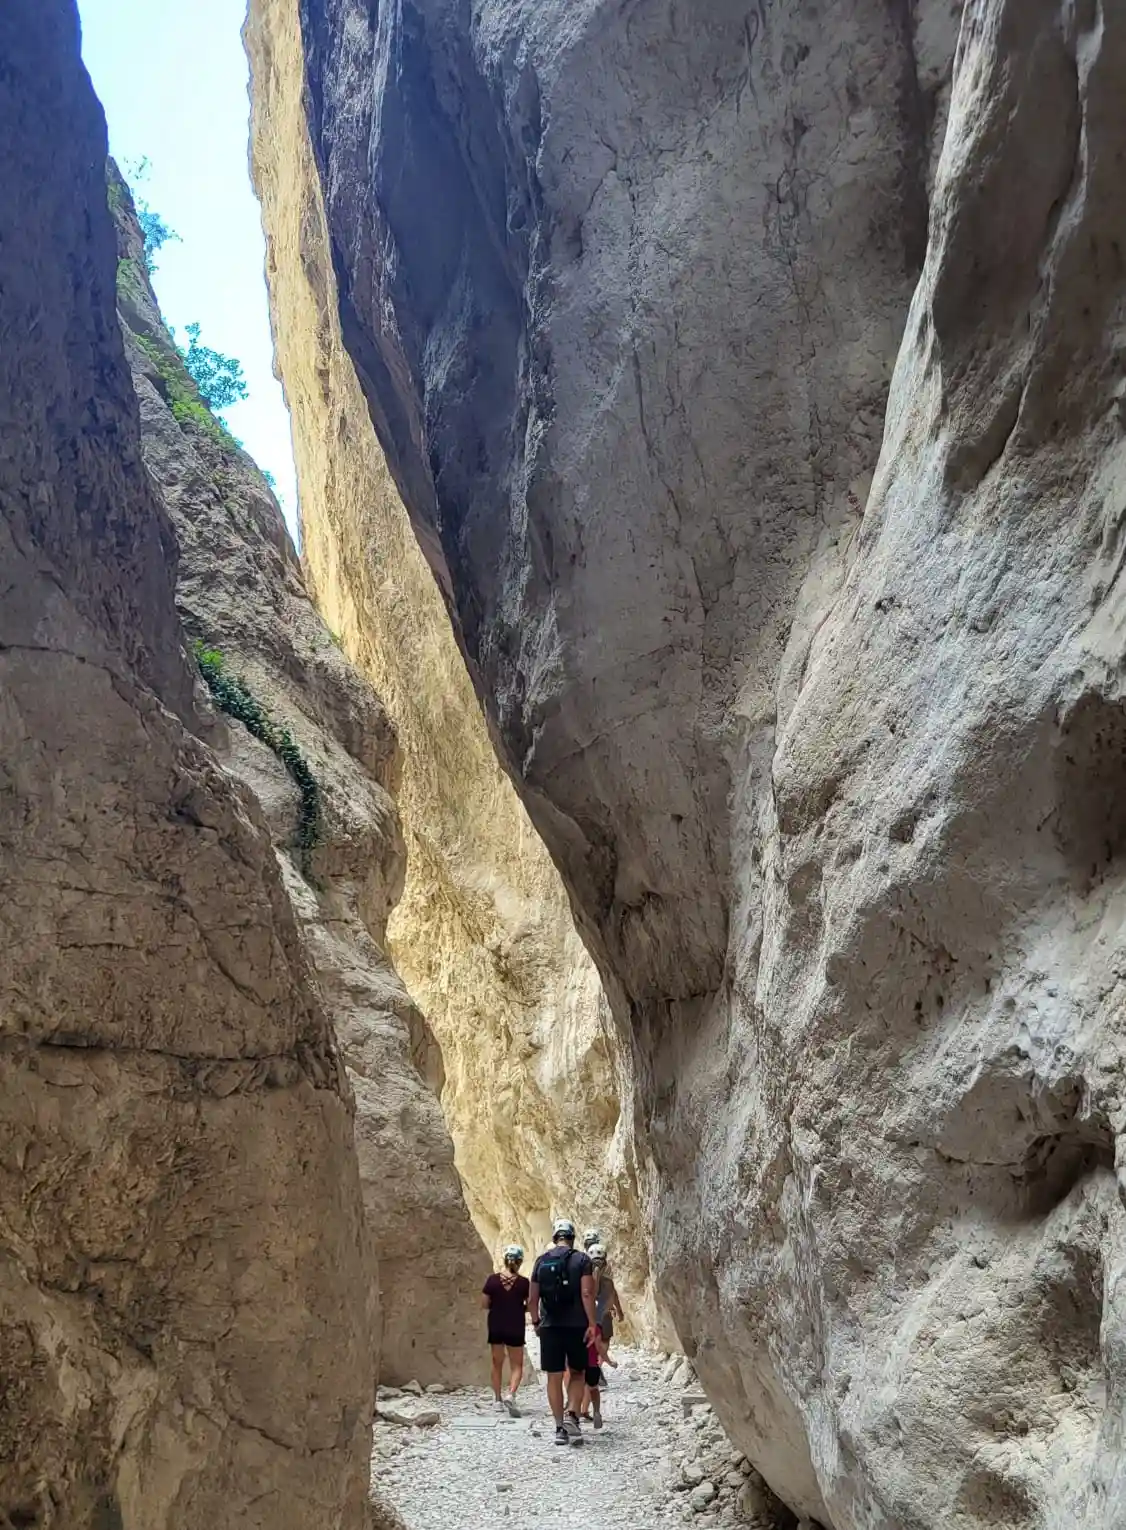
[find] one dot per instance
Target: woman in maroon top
(505, 1296)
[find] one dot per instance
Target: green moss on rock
(234, 697)
(188, 409)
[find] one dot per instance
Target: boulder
(701, 1496)
(408, 1417)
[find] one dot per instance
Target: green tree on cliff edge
(219, 378)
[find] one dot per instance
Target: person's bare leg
(555, 1395)
(497, 1352)
(575, 1389)
(595, 1396)
(515, 1369)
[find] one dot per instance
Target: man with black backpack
(561, 1304)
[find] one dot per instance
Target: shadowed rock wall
(184, 1329)
(241, 592)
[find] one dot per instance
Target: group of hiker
(571, 1303)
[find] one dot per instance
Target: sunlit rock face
(534, 1087)
(829, 764)
(185, 1337)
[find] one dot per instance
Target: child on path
(606, 1305)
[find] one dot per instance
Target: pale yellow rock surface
(241, 591)
(539, 1109)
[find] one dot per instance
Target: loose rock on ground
(650, 1466)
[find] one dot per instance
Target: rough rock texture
(184, 1338)
(944, 909)
(833, 779)
(628, 360)
(483, 934)
(240, 590)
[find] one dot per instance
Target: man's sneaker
(574, 1428)
(598, 1418)
(561, 1435)
(509, 1405)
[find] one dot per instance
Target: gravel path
(641, 1472)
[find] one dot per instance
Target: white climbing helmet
(597, 1252)
(562, 1227)
(592, 1236)
(513, 1252)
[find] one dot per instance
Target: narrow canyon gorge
(678, 784)
(534, 1090)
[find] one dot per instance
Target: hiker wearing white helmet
(505, 1296)
(606, 1303)
(592, 1236)
(561, 1304)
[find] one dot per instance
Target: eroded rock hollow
(640, 297)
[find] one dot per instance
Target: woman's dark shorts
(564, 1349)
(509, 1340)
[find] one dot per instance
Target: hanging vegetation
(233, 697)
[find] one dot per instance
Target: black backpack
(558, 1283)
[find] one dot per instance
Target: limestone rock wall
(628, 359)
(534, 1093)
(240, 590)
(942, 926)
(830, 766)
(184, 1332)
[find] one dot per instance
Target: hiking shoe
(509, 1405)
(573, 1428)
(561, 1435)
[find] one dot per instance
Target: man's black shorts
(565, 1349)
